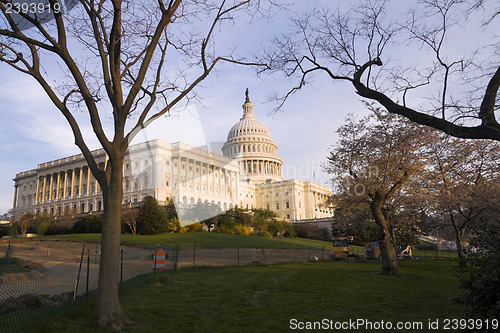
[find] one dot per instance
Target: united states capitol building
(248, 174)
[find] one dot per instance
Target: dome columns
(250, 142)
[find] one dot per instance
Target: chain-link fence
(37, 277)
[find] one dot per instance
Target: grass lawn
(212, 240)
(265, 299)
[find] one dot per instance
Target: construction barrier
(159, 260)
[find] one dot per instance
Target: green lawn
(205, 240)
(265, 299)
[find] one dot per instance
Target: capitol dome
(249, 141)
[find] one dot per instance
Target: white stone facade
(249, 175)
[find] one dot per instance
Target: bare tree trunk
(386, 239)
(389, 253)
(459, 234)
(109, 312)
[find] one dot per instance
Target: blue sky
(32, 131)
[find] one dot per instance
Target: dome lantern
(247, 107)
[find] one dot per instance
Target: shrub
(56, 229)
(290, 230)
(13, 230)
(42, 228)
(226, 230)
(174, 225)
(324, 234)
(276, 228)
(306, 230)
(265, 234)
(242, 230)
(194, 227)
(87, 224)
(4, 230)
(481, 281)
(152, 218)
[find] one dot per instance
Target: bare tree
(129, 217)
(464, 182)
(425, 66)
(375, 161)
(25, 223)
(118, 61)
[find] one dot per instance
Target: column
(37, 188)
(15, 196)
(213, 178)
(65, 190)
(72, 183)
(80, 182)
(179, 179)
(88, 181)
(219, 178)
(50, 187)
(43, 189)
(58, 184)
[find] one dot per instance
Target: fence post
(176, 256)
(88, 272)
(264, 254)
(194, 254)
(155, 253)
(238, 254)
(8, 252)
(79, 271)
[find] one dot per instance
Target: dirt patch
(12, 304)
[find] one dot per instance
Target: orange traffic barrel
(159, 260)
